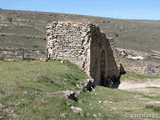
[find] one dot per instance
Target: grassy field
(137, 77)
(32, 90)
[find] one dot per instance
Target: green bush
(153, 107)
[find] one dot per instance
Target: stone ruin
(83, 44)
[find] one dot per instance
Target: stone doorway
(102, 67)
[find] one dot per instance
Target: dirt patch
(141, 87)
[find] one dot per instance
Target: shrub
(116, 35)
(153, 107)
(35, 46)
(9, 19)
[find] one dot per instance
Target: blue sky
(123, 9)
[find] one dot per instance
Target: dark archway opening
(102, 67)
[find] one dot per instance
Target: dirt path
(133, 86)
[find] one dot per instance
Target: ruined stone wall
(102, 58)
(137, 64)
(131, 65)
(141, 66)
(83, 44)
(126, 64)
(71, 41)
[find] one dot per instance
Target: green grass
(22, 42)
(32, 90)
(27, 85)
(152, 97)
(153, 87)
(130, 75)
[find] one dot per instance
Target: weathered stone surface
(64, 115)
(88, 84)
(70, 95)
(2, 106)
(77, 110)
(128, 63)
(83, 44)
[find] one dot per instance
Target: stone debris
(107, 101)
(70, 95)
(94, 115)
(88, 84)
(77, 110)
(135, 57)
(100, 114)
(9, 103)
(78, 92)
(81, 101)
(2, 106)
(25, 92)
(44, 100)
(100, 102)
(62, 61)
(1, 117)
(64, 115)
(12, 115)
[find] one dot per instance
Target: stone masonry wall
(131, 65)
(102, 58)
(83, 44)
(126, 64)
(70, 41)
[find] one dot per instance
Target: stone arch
(102, 66)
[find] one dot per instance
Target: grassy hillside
(27, 28)
(33, 90)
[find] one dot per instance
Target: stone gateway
(83, 44)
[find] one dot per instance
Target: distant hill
(27, 29)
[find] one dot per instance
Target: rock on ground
(77, 110)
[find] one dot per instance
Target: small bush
(9, 19)
(116, 35)
(153, 107)
(34, 46)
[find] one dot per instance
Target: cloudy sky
(122, 9)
